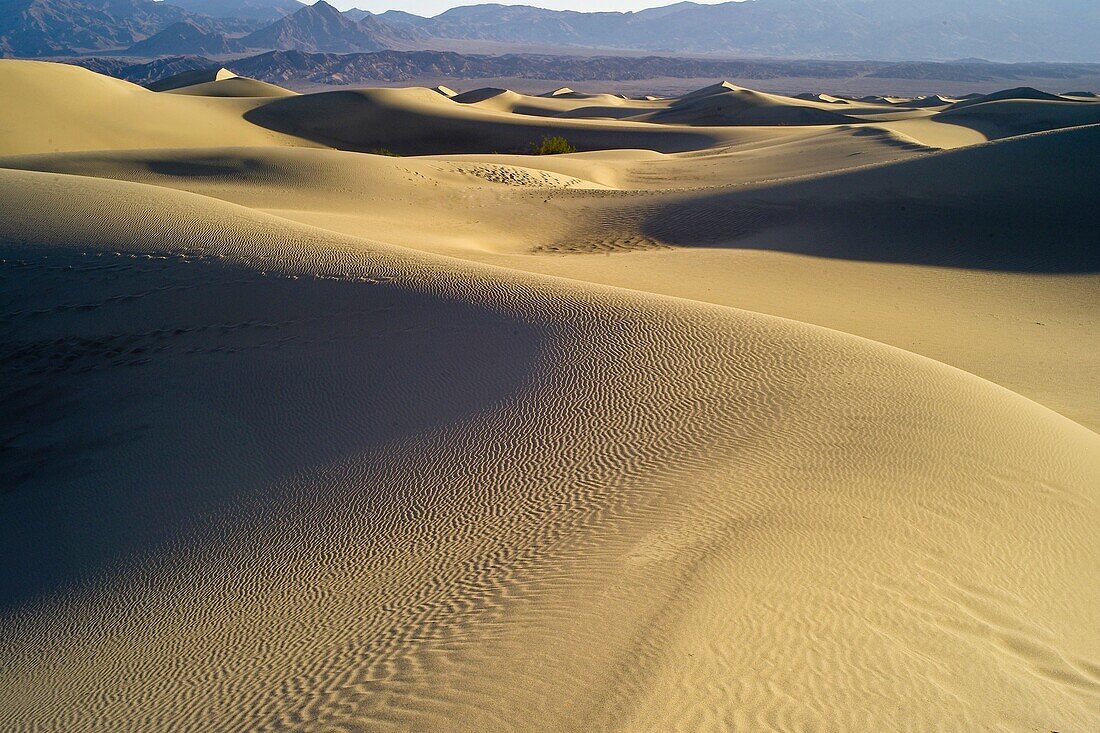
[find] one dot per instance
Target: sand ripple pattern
(344, 487)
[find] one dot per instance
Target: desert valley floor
(758, 413)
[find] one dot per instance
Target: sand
(55, 107)
(710, 426)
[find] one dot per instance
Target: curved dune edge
(968, 250)
(444, 496)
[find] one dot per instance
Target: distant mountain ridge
(1007, 30)
(321, 27)
(186, 37)
(1003, 30)
(31, 28)
(262, 10)
(405, 66)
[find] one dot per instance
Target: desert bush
(555, 145)
(383, 151)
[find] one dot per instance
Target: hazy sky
(434, 7)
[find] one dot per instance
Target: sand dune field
(344, 412)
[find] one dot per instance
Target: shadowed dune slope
(566, 105)
(1012, 117)
(420, 121)
(638, 520)
(486, 94)
(900, 212)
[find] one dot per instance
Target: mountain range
(186, 37)
(321, 27)
(260, 10)
(1006, 30)
(31, 28)
(280, 67)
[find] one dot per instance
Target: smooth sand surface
(738, 419)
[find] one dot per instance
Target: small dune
(1014, 94)
(726, 104)
(1012, 117)
(234, 87)
(192, 78)
(477, 96)
(933, 100)
(559, 92)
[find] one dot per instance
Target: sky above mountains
(434, 7)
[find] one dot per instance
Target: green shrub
(383, 151)
(555, 145)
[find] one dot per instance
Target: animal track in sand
(514, 176)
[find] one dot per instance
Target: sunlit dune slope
(55, 107)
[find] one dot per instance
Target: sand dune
(477, 96)
(1009, 117)
(725, 104)
(827, 98)
(307, 439)
(980, 257)
(933, 100)
(718, 105)
(56, 107)
(1017, 93)
(418, 121)
(926, 224)
(563, 103)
